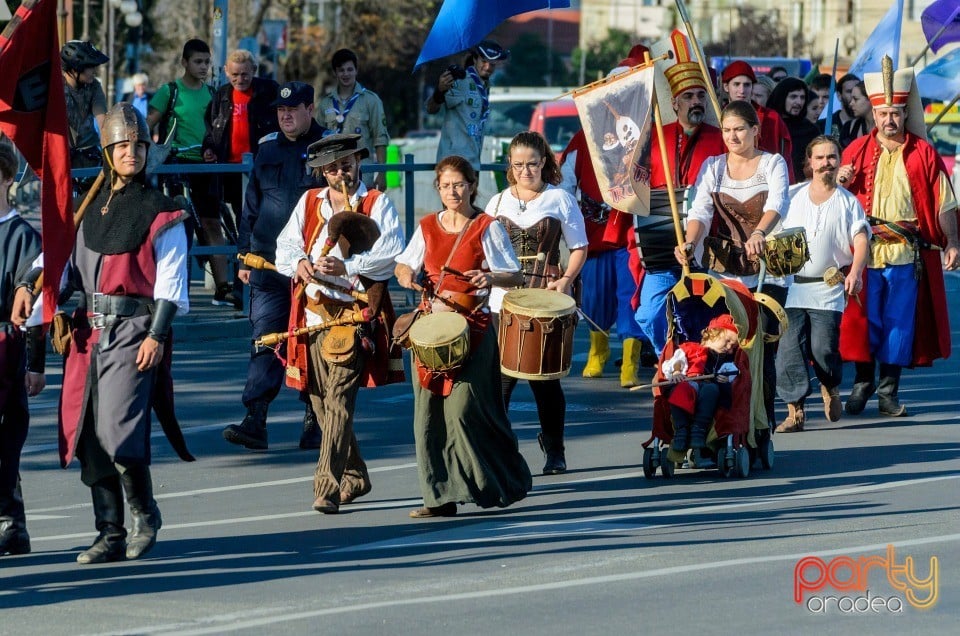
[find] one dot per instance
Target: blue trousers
(651, 315)
(891, 309)
(608, 287)
(269, 313)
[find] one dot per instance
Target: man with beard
(844, 91)
(738, 79)
(689, 142)
(900, 180)
(838, 237)
(789, 100)
(465, 94)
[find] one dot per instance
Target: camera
(457, 71)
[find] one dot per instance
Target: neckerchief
(342, 114)
(484, 96)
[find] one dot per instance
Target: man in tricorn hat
(129, 265)
(464, 92)
(333, 362)
(903, 186)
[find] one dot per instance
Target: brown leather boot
(832, 404)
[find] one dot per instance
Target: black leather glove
(163, 314)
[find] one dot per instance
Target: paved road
(597, 549)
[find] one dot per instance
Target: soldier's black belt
(106, 309)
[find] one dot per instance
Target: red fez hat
(738, 68)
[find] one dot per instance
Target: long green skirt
(466, 450)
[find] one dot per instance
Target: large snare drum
(441, 341)
(787, 252)
(536, 334)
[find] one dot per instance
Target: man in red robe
(690, 140)
(900, 180)
(738, 79)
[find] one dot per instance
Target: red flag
(33, 113)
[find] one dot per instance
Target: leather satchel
(402, 325)
(340, 345)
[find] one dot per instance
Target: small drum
(536, 334)
(441, 341)
(787, 252)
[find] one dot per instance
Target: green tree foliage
(755, 34)
(600, 56)
(530, 66)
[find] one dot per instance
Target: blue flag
(461, 24)
(885, 40)
(940, 80)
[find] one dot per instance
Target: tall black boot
(707, 399)
(863, 388)
(681, 429)
(252, 431)
(887, 391)
(311, 436)
(143, 510)
(13, 523)
(108, 511)
(552, 447)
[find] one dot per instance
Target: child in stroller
(702, 373)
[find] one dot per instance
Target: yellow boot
(631, 358)
(598, 356)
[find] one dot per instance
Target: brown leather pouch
(340, 345)
(61, 333)
(402, 325)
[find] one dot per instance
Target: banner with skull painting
(617, 118)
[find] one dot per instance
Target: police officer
(280, 176)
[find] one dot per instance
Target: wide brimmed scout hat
(897, 89)
(333, 148)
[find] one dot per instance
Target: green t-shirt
(189, 111)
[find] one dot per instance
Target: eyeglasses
(459, 186)
(530, 165)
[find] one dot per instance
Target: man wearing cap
(608, 283)
(738, 79)
(334, 362)
(466, 98)
(690, 140)
(280, 176)
(85, 100)
(352, 108)
(902, 184)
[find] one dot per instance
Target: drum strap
(453, 250)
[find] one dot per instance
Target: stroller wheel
(649, 469)
(742, 462)
(723, 461)
(765, 451)
(667, 468)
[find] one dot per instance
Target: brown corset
(543, 237)
(733, 222)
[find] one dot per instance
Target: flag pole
(828, 126)
(933, 39)
(600, 82)
(943, 112)
(668, 174)
(61, 21)
(711, 90)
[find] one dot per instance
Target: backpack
(165, 120)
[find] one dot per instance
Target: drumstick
(653, 385)
(539, 257)
(592, 323)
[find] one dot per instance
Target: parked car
(558, 121)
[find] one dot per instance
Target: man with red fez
(690, 140)
(738, 79)
(900, 180)
(609, 285)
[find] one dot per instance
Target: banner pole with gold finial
(711, 90)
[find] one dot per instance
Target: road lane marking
(229, 622)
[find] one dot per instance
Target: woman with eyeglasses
(466, 450)
(537, 214)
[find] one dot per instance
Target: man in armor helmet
(86, 101)
(129, 264)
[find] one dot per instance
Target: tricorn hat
(333, 148)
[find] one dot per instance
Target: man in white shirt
(835, 223)
(335, 362)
